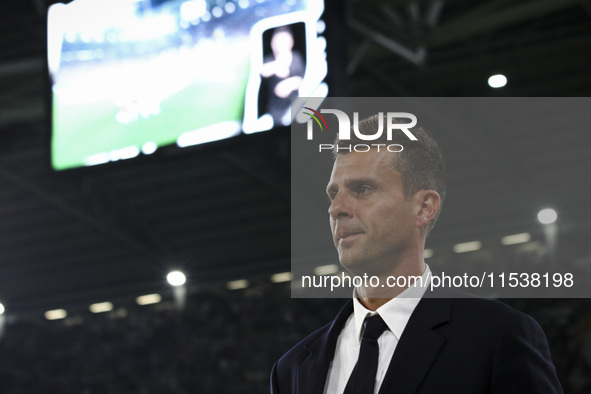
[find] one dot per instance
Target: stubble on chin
(354, 264)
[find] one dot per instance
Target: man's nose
(340, 206)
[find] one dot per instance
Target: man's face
(372, 223)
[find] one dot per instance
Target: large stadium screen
(131, 76)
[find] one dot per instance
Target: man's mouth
(347, 236)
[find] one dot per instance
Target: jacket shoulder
(488, 311)
(301, 349)
(284, 373)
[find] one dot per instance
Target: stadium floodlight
(428, 253)
(497, 81)
(467, 247)
(281, 277)
(101, 307)
(238, 284)
(515, 239)
(1, 309)
(176, 278)
(56, 314)
(326, 269)
(547, 216)
(149, 299)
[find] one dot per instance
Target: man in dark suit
(407, 339)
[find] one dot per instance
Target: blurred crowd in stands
(222, 342)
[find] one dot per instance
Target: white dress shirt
(395, 314)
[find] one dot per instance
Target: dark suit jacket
(450, 345)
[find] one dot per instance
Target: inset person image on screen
(282, 72)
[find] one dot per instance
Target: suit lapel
(313, 370)
(418, 347)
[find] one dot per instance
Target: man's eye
(363, 189)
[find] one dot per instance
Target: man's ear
(428, 203)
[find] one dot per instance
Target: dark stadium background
(221, 212)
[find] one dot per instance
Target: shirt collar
(395, 312)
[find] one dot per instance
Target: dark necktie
(363, 378)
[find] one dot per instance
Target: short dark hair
(420, 163)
